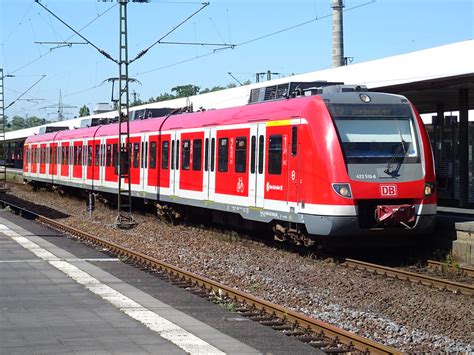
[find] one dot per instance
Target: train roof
(279, 109)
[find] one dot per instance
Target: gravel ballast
(409, 317)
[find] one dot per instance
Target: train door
(293, 164)
(111, 157)
(143, 163)
(77, 160)
(42, 169)
(153, 164)
(164, 161)
(26, 158)
(53, 168)
(65, 160)
(257, 165)
(92, 163)
(174, 174)
(209, 185)
(136, 153)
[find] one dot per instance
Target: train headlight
(343, 190)
(429, 189)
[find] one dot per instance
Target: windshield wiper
(388, 170)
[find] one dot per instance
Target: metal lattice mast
(3, 156)
(124, 196)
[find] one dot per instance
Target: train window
(186, 154)
(172, 154)
(197, 154)
(75, 155)
(165, 147)
(223, 155)
(206, 154)
(115, 156)
(177, 154)
(275, 154)
(136, 154)
(146, 155)
(294, 140)
(89, 155)
(213, 153)
(97, 155)
(240, 155)
(109, 155)
(103, 154)
(66, 149)
(261, 143)
(48, 155)
(253, 146)
(153, 155)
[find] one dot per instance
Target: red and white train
(343, 162)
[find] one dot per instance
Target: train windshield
(376, 133)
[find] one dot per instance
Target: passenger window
(136, 154)
(294, 140)
(89, 155)
(197, 154)
(275, 154)
(109, 155)
(223, 155)
(115, 157)
(240, 154)
(177, 154)
(186, 154)
(165, 147)
(213, 153)
(153, 155)
(261, 143)
(253, 146)
(97, 155)
(172, 155)
(206, 154)
(145, 160)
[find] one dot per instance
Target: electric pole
(3, 156)
(124, 208)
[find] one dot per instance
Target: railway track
(439, 283)
(318, 334)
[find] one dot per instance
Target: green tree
(34, 121)
(17, 122)
(186, 90)
(84, 111)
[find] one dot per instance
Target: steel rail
(442, 284)
(352, 341)
(464, 270)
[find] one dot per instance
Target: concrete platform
(60, 296)
(463, 246)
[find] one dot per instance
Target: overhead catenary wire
(31, 87)
(252, 40)
(101, 51)
(68, 38)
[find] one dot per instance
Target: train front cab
(389, 176)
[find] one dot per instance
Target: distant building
(102, 108)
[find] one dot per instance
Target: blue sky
(373, 29)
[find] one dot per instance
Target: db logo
(388, 190)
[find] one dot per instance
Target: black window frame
(185, 154)
(294, 141)
(197, 154)
(223, 155)
(152, 155)
(240, 165)
(275, 154)
(261, 150)
(165, 151)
